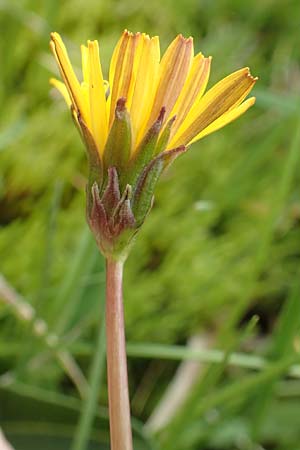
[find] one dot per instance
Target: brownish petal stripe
(125, 69)
(117, 73)
(127, 66)
(192, 91)
(216, 102)
(174, 69)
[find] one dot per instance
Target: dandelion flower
(133, 126)
(136, 123)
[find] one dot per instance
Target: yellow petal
(124, 68)
(85, 90)
(145, 86)
(97, 97)
(121, 45)
(68, 75)
(115, 72)
(137, 43)
(62, 89)
(173, 71)
(225, 119)
(221, 98)
(192, 91)
(85, 63)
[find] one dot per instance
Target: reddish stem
(118, 396)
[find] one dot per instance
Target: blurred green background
(214, 275)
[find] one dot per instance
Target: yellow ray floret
(226, 118)
(145, 86)
(85, 63)
(97, 98)
(174, 84)
(221, 98)
(193, 89)
(124, 68)
(69, 76)
(173, 71)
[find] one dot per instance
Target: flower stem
(118, 395)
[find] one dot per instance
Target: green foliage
(220, 245)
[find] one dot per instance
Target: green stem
(89, 408)
(117, 379)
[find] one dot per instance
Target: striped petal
(118, 51)
(85, 63)
(223, 97)
(137, 45)
(115, 71)
(225, 119)
(97, 96)
(145, 86)
(173, 71)
(175, 85)
(192, 91)
(68, 75)
(124, 69)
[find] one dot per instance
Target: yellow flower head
(135, 124)
(175, 82)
